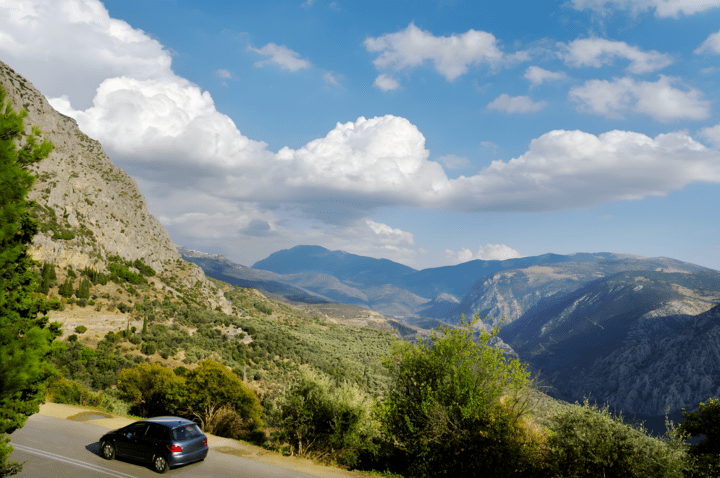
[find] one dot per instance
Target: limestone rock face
(512, 292)
(88, 209)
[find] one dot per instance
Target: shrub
(135, 339)
(72, 338)
(152, 388)
(124, 308)
(148, 348)
(587, 441)
(331, 422)
(61, 390)
(80, 329)
(450, 394)
(214, 391)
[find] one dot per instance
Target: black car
(162, 441)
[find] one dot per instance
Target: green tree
(457, 406)
(66, 288)
(25, 335)
(705, 421)
(215, 395)
(83, 291)
(152, 388)
(47, 278)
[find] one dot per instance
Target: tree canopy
(25, 334)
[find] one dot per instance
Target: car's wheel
(108, 450)
(160, 464)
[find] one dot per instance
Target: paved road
(58, 448)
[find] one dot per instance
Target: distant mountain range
(642, 334)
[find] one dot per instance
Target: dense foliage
(328, 421)
(25, 334)
(705, 421)
(456, 405)
(589, 442)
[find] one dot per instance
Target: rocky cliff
(90, 210)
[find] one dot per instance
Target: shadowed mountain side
(220, 268)
(576, 339)
(510, 293)
(394, 301)
(350, 268)
(440, 306)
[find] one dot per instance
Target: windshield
(187, 432)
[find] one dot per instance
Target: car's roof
(170, 422)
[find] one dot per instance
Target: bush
(456, 407)
(61, 390)
(135, 340)
(72, 338)
(215, 395)
(587, 441)
(330, 422)
(148, 348)
(152, 388)
(124, 308)
(80, 329)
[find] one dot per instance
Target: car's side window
(136, 431)
(157, 432)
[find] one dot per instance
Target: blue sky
(426, 132)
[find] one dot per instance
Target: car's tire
(107, 450)
(160, 464)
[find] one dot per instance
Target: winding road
(61, 448)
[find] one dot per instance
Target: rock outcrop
(89, 209)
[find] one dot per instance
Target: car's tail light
(205, 444)
(174, 448)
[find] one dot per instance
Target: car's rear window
(186, 432)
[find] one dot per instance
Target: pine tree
(66, 289)
(25, 335)
(84, 289)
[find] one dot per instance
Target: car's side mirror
(129, 434)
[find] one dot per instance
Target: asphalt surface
(60, 448)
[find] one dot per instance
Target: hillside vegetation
(137, 330)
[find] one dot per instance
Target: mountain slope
(349, 268)
(512, 292)
(593, 340)
(89, 210)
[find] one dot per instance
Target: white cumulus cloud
(489, 252)
(537, 75)
(453, 161)
(662, 8)
(710, 45)
(386, 83)
(79, 43)
(660, 100)
(451, 56)
(193, 163)
(516, 104)
(711, 134)
(596, 52)
(281, 56)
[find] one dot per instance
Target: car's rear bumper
(176, 459)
